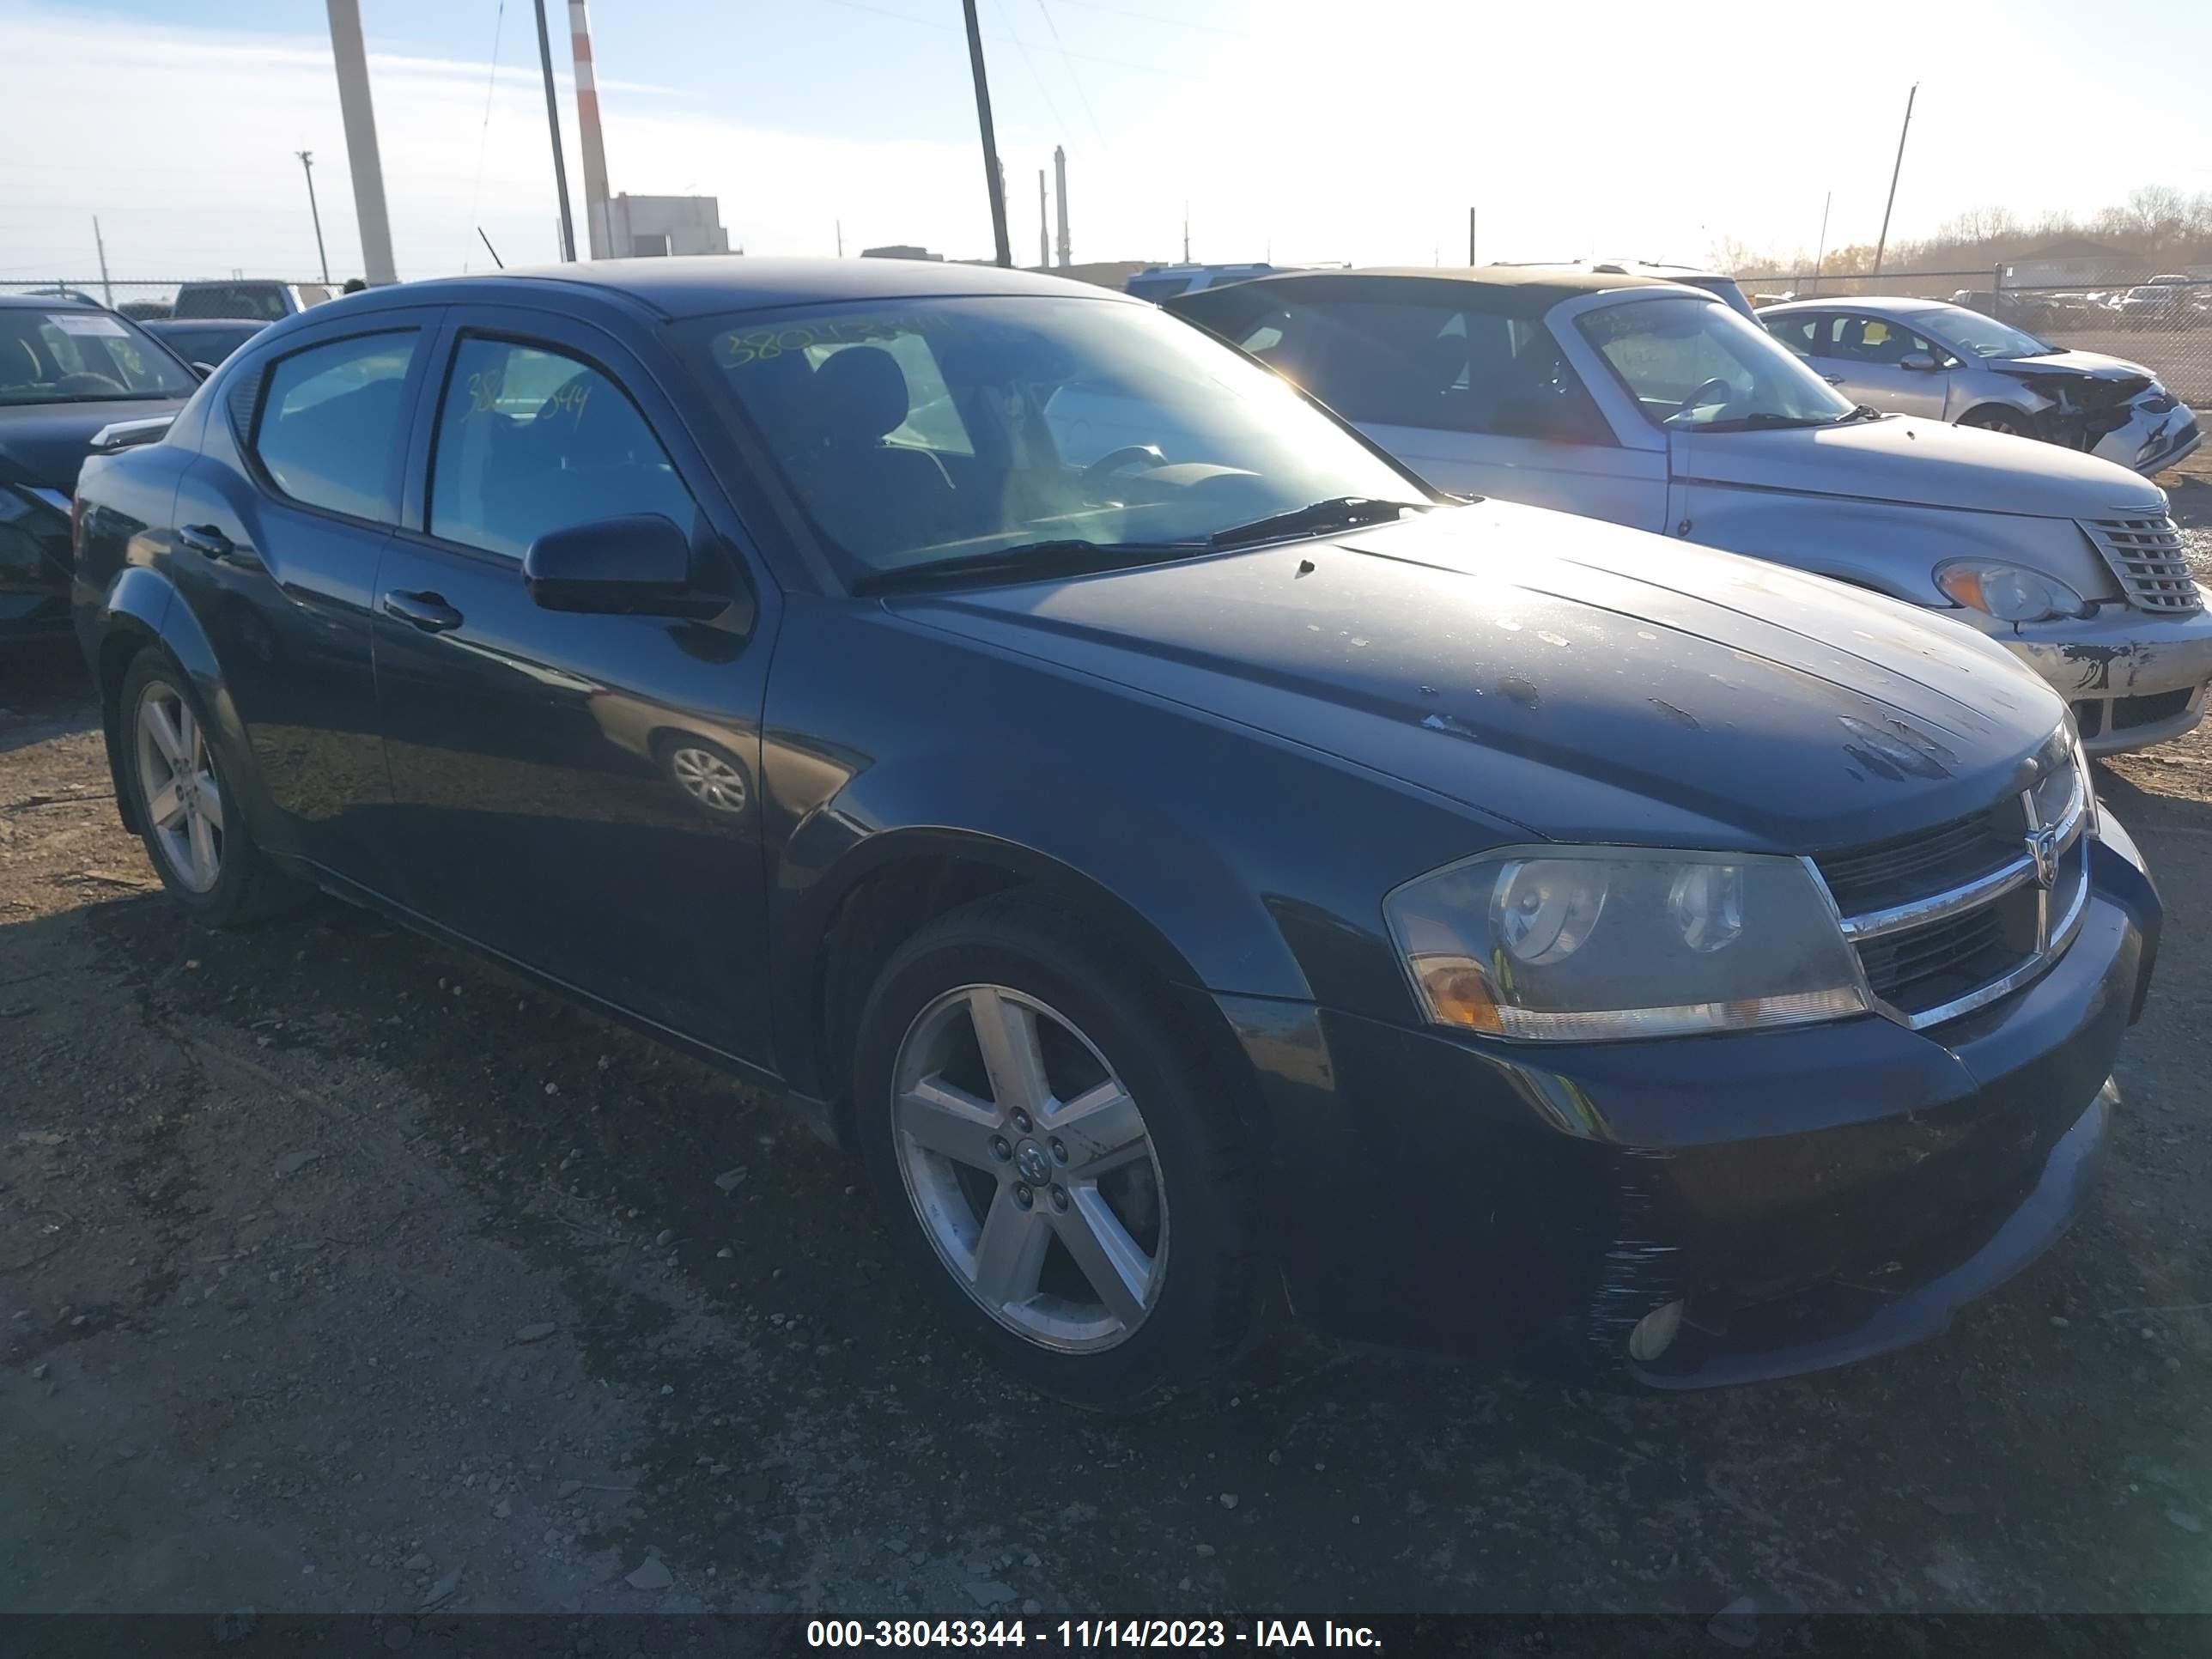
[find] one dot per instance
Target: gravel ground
(338, 1272)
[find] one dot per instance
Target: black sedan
(1218, 865)
(69, 371)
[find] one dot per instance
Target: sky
(1294, 131)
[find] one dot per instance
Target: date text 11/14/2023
(1081, 1633)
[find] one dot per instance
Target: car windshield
(1970, 334)
(81, 356)
(919, 433)
(1695, 363)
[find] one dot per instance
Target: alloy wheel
(1030, 1168)
(177, 780)
(707, 778)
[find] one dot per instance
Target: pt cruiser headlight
(1577, 944)
(2010, 592)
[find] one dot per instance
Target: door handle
(426, 612)
(206, 540)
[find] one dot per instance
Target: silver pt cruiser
(1653, 405)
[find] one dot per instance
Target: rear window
(264, 300)
(1156, 288)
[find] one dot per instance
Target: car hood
(1922, 462)
(44, 444)
(2094, 364)
(1580, 680)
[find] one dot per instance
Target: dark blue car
(1213, 868)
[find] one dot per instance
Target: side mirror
(638, 565)
(1921, 360)
(202, 369)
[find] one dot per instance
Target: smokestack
(1060, 181)
(595, 226)
(1044, 227)
(359, 116)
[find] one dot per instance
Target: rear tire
(190, 818)
(1085, 1145)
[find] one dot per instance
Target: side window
(531, 439)
(1799, 331)
(1876, 340)
(1442, 369)
(332, 419)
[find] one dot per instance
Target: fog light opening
(1654, 1333)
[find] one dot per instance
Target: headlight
(2007, 591)
(1577, 944)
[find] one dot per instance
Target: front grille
(2128, 712)
(2146, 555)
(1882, 873)
(1948, 918)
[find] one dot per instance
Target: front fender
(1890, 547)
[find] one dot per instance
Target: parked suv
(1216, 865)
(1658, 406)
(247, 297)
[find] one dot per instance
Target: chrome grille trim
(2061, 854)
(2146, 553)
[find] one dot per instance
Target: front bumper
(1811, 1196)
(2152, 441)
(2132, 678)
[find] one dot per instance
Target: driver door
(1870, 354)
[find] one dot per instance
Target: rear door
(280, 522)
(576, 792)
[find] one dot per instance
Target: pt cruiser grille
(2146, 554)
(1948, 920)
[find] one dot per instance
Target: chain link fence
(2162, 320)
(139, 297)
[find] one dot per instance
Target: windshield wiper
(1859, 413)
(1028, 560)
(1339, 513)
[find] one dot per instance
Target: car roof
(1533, 289)
(46, 301)
(698, 285)
(1873, 302)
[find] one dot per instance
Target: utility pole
(106, 293)
(308, 165)
(1881, 246)
(1822, 252)
(553, 124)
(1471, 260)
(359, 116)
(1186, 232)
(993, 177)
(1044, 229)
(840, 238)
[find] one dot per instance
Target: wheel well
(117, 652)
(889, 906)
(2019, 417)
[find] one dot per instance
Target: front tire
(189, 817)
(1057, 1165)
(1996, 417)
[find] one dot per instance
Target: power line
(932, 23)
(1057, 121)
(1088, 113)
(1154, 17)
(484, 141)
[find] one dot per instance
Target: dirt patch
(337, 1271)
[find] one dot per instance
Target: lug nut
(1024, 1196)
(1059, 1198)
(1059, 1151)
(1021, 1121)
(1001, 1148)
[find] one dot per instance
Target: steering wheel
(1715, 390)
(1115, 459)
(88, 384)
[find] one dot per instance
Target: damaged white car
(1949, 363)
(1656, 405)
